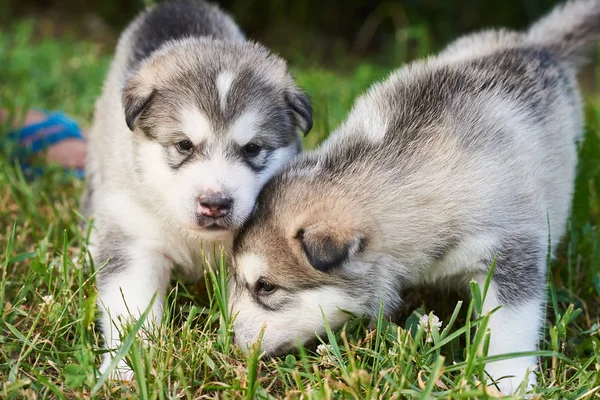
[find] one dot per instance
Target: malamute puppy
(448, 165)
(193, 120)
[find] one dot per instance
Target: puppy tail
(569, 31)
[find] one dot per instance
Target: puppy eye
(184, 146)
(251, 149)
(263, 287)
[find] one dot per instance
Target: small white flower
(425, 321)
(47, 299)
(325, 350)
(322, 349)
(428, 322)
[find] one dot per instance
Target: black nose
(214, 205)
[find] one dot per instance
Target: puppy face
(213, 122)
(301, 258)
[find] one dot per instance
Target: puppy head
(212, 121)
(303, 256)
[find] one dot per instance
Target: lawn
(49, 342)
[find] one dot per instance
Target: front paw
(121, 372)
(509, 376)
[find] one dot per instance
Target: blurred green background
(307, 32)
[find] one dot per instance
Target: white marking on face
(195, 125)
(252, 267)
(224, 80)
(294, 323)
(176, 193)
(245, 127)
(179, 192)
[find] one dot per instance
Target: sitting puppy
(448, 165)
(192, 122)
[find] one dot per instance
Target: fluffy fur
(192, 122)
(448, 164)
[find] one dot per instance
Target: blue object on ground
(35, 138)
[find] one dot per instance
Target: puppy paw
(510, 377)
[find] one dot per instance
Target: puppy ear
(136, 97)
(302, 109)
(327, 248)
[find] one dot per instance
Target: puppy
(450, 164)
(192, 122)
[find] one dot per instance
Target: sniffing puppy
(193, 120)
(447, 165)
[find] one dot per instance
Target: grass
(49, 342)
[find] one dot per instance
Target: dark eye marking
(263, 287)
(251, 149)
(259, 160)
(184, 146)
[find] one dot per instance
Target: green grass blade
(125, 346)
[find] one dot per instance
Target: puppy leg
(126, 286)
(518, 288)
(513, 328)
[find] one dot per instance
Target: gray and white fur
(449, 164)
(192, 122)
